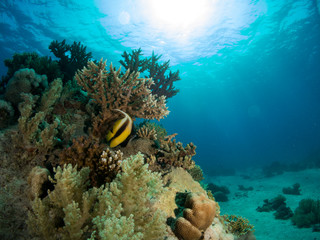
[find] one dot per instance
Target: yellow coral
(119, 209)
(238, 225)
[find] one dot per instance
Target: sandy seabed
(266, 226)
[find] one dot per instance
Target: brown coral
(172, 153)
(6, 113)
(86, 152)
(39, 132)
(113, 90)
(147, 132)
(151, 130)
(197, 216)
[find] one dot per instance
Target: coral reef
(110, 91)
(196, 173)
(198, 215)
(172, 153)
(151, 130)
(25, 80)
(6, 113)
(294, 190)
(277, 204)
(86, 152)
(59, 176)
(13, 204)
(76, 212)
(238, 225)
(37, 178)
(71, 57)
(39, 132)
(147, 132)
(307, 214)
(133, 62)
(41, 65)
(163, 84)
(220, 193)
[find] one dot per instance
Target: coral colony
(75, 165)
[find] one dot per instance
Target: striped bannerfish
(120, 131)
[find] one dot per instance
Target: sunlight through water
(180, 18)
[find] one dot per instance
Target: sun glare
(179, 16)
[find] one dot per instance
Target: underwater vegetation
(307, 214)
(75, 165)
(294, 190)
(278, 205)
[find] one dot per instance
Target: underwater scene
(160, 119)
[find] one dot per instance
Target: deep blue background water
(250, 70)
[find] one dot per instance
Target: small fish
(120, 131)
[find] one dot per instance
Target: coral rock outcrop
(197, 216)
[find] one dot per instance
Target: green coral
(71, 57)
(196, 173)
(151, 68)
(27, 81)
(122, 208)
(307, 213)
(6, 113)
(41, 65)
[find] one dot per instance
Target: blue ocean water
(249, 93)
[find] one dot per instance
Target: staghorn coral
(151, 68)
(163, 83)
(72, 211)
(86, 152)
(25, 80)
(147, 132)
(133, 62)
(6, 113)
(174, 154)
(198, 215)
(71, 57)
(112, 91)
(238, 225)
(151, 130)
